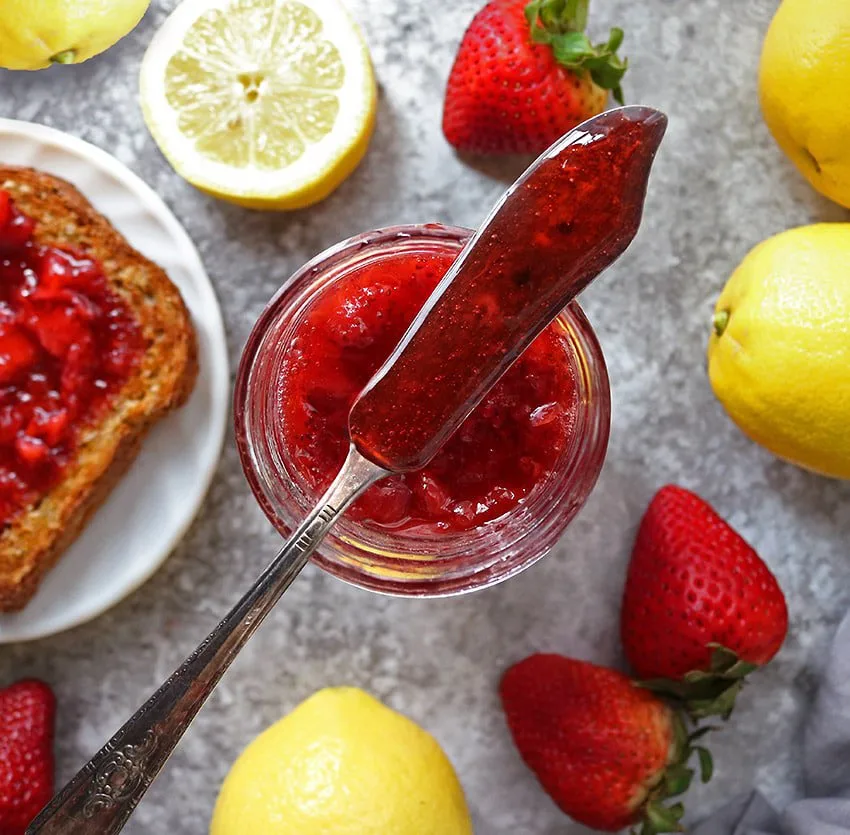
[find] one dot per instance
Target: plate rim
(218, 368)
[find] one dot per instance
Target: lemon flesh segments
(279, 125)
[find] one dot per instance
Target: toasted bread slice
(34, 540)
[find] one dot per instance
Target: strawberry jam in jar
(499, 493)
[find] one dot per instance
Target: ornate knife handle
(103, 795)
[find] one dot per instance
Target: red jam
(509, 444)
(67, 344)
(568, 219)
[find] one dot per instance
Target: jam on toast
(157, 375)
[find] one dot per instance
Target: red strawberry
(700, 608)
(26, 753)
(525, 74)
(608, 752)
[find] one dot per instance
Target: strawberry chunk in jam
(507, 446)
(67, 345)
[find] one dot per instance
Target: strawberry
(700, 608)
(608, 752)
(526, 74)
(26, 753)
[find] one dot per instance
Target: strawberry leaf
(740, 670)
(557, 16)
(677, 780)
(550, 14)
(576, 13)
(532, 14)
(607, 69)
(698, 676)
(664, 687)
(572, 49)
(561, 25)
(704, 693)
(722, 704)
(662, 819)
(706, 763)
(680, 737)
(699, 733)
(721, 658)
(615, 39)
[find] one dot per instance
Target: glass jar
(412, 562)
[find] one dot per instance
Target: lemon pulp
(266, 102)
(267, 115)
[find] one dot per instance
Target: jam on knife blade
(568, 218)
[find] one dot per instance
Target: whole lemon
(342, 764)
(37, 33)
(804, 81)
(779, 357)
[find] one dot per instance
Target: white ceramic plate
(150, 510)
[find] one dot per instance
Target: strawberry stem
(561, 25)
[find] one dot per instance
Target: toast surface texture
(34, 540)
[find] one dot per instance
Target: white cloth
(826, 764)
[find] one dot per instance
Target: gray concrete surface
(719, 187)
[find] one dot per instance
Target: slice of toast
(33, 541)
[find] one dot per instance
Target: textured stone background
(720, 186)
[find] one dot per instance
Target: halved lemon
(265, 103)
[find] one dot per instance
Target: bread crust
(34, 540)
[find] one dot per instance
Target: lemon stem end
(720, 322)
(65, 57)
